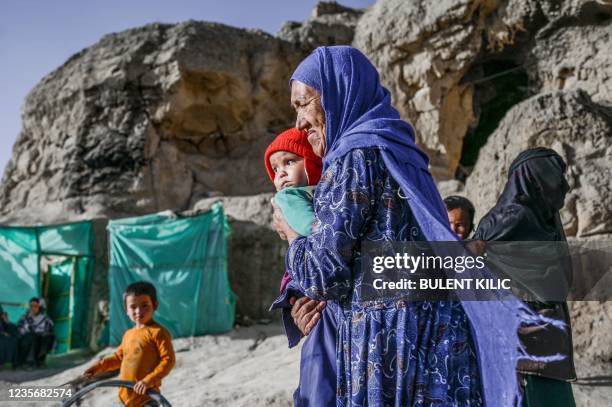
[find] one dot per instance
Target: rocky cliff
(150, 119)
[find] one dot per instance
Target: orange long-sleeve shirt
(144, 354)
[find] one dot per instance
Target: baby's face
(288, 170)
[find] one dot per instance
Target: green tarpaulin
(67, 282)
(67, 293)
(186, 260)
(19, 270)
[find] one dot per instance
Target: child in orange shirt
(145, 355)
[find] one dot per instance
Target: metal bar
(71, 302)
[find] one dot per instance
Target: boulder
(150, 119)
(580, 130)
(329, 24)
(574, 58)
(591, 325)
(422, 51)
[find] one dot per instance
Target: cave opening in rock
(498, 86)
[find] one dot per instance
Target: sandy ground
(248, 367)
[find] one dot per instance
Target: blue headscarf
(358, 111)
(358, 114)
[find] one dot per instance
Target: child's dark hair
(459, 202)
(141, 288)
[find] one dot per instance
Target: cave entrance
(501, 85)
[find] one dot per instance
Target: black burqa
(528, 211)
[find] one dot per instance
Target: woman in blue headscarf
(376, 187)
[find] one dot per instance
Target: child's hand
(282, 227)
(141, 387)
(90, 372)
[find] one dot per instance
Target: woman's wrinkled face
(310, 115)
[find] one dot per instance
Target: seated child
(295, 169)
(145, 355)
(460, 215)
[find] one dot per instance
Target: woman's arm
(322, 263)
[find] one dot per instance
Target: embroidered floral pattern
(389, 353)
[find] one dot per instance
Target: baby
(295, 169)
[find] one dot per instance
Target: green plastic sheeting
(67, 298)
(185, 259)
(59, 308)
(21, 249)
(19, 270)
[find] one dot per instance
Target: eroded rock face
(430, 55)
(422, 51)
(591, 324)
(150, 119)
(329, 24)
(576, 58)
(580, 131)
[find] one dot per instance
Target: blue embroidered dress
(390, 353)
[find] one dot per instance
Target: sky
(37, 36)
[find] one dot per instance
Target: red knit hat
(295, 141)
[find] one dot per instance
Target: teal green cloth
(296, 204)
(185, 259)
(543, 392)
(21, 249)
(67, 294)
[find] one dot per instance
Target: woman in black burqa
(528, 211)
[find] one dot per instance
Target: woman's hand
(306, 312)
(282, 227)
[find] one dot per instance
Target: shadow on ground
(55, 365)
